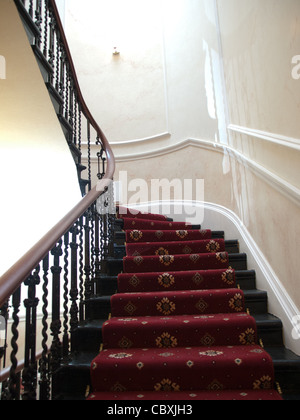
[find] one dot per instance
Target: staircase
(81, 258)
(75, 375)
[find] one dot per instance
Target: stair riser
(91, 338)
(107, 286)
(75, 380)
(232, 247)
(236, 261)
(259, 306)
(101, 310)
(120, 237)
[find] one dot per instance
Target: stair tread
(232, 395)
(280, 355)
(232, 247)
(283, 357)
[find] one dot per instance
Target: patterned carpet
(179, 328)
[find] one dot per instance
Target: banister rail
(16, 275)
(49, 286)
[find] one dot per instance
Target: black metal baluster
(111, 218)
(30, 10)
(44, 365)
(97, 253)
(56, 347)
(75, 138)
(81, 271)
(87, 256)
(45, 47)
(51, 50)
(71, 108)
(39, 22)
(89, 155)
(66, 298)
(74, 289)
(79, 128)
(58, 61)
(5, 315)
(30, 366)
(93, 211)
(15, 378)
(61, 89)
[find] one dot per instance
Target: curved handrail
(17, 274)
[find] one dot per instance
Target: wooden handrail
(17, 274)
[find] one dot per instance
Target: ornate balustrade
(43, 296)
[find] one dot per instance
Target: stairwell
(85, 254)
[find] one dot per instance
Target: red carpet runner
(179, 328)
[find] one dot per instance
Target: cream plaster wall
(125, 92)
(259, 41)
(160, 89)
(38, 176)
(232, 112)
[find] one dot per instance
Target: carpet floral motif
(125, 343)
(134, 281)
(166, 341)
(228, 277)
(120, 356)
(202, 306)
(166, 307)
(194, 258)
(222, 256)
(213, 247)
(211, 353)
(138, 260)
(182, 234)
(237, 303)
(167, 385)
(264, 382)
(159, 234)
(166, 280)
(166, 260)
(136, 235)
(248, 338)
(161, 251)
(198, 279)
(130, 308)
